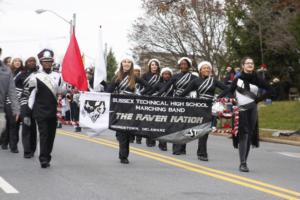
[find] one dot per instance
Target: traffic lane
(85, 170)
(134, 151)
(266, 163)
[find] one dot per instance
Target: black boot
(28, 155)
(59, 125)
(243, 167)
(77, 129)
(203, 158)
(14, 150)
(124, 161)
(45, 164)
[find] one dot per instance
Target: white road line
(6, 187)
(290, 154)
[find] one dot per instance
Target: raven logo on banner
(94, 109)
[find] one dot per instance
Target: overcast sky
(24, 33)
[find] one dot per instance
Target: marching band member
(205, 87)
(124, 82)
(180, 82)
(137, 70)
(245, 88)
(152, 77)
(166, 74)
(29, 133)
(43, 88)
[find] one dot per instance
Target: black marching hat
(46, 55)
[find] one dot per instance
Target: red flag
(72, 66)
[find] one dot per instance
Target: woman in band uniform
(124, 82)
(245, 89)
(205, 87)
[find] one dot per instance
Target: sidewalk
(266, 135)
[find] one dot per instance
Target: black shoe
(28, 155)
(176, 153)
(4, 146)
(203, 158)
(163, 148)
(45, 164)
(124, 161)
(14, 150)
(78, 129)
(244, 168)
(139, 142)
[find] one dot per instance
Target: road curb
(280, 141)
(266, 139)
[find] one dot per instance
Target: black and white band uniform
(165, 74)
(29, 132)
(152, 77)
(205, 86)
(43, 87)
(245, 89)
(179, 82)
(122, 86)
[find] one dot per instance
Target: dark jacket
(161, 84)
(179, 82)
(205, 87)
(116, 87)
(8, 89)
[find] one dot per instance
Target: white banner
(94, 110)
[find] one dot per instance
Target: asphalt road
(88, 168)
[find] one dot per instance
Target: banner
(176, 120)
(94, 110)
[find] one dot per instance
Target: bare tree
(181, 28)
(279, 38)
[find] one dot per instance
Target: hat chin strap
(48, 70)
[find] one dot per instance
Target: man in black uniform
(43, 88)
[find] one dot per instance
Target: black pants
(11, 133)
(162, 144)
(214, 121)
(247, 126)
(124, 140)
(138, 138)
(29, 135)
(202, 146)
(179, 148)
(74, 109)
(150, 142)
(47, 130)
